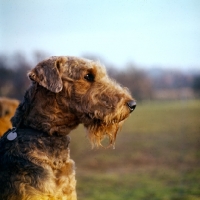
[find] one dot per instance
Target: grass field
(157, 156)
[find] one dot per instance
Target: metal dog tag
(12, 135)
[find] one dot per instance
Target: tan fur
(65, 92)
(7, 110)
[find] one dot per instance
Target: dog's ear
(48, 73)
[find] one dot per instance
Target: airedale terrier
(65, 91)
(7, 110)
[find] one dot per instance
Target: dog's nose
(131, 104)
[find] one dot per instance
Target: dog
(7, 110)
(65, 92)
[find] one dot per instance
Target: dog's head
(8, 107)
(84, 89)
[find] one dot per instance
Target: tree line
(143, 84)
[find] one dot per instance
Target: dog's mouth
(107, 120)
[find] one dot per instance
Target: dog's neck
(45, 111)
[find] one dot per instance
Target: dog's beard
(100, 126)
(98, 132)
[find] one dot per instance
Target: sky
(148, 33)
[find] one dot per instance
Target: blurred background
(150, 46)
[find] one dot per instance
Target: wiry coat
(36, 166)
(65, 92)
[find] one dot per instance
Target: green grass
(157, 156)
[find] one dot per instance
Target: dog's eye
(89, 77)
